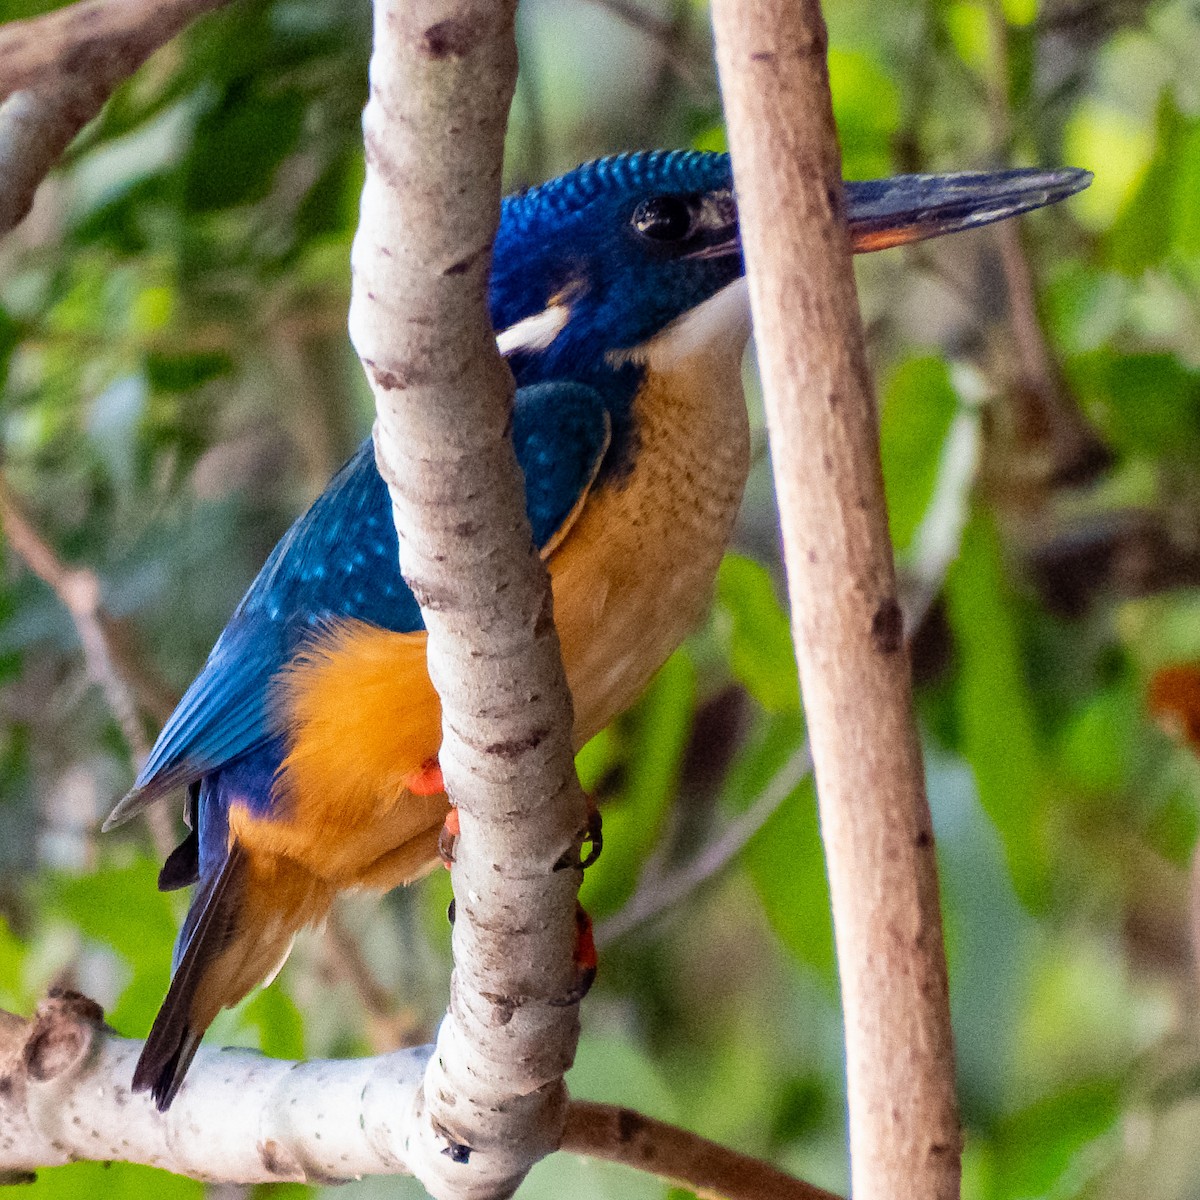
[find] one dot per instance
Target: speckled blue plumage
(339, 560)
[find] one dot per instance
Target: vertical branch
(904, 1132)
(442, 78)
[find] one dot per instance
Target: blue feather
(339, 561)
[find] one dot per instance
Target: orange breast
(630, 580)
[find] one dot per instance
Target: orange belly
(630, 581)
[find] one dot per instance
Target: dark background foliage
(177, 385)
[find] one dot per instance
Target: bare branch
(240, 1118)
(848, 625)
(243, 1118)
(623, 1136)
(442, 77)
(56, 72)
(79, 590)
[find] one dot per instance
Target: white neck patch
(535, 332)
(720, 323)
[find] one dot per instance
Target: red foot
(448, 837)
(586, 958)
(427, 780)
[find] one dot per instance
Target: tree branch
(56, 72)
(623, 1136)
(78, 588)
(442, 78)
(904, 1131)
(244, 1118)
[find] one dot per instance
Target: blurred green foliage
(177, 385)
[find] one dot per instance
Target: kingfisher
(308, 744)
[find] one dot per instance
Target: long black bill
(910, 208)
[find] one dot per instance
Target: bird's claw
(586, 960)
(593, 839)
(448, 838)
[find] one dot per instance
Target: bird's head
(592, 265)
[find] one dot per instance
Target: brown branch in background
(623, 1136)
(847, 622)
(1071, 451)
(664, 34)
(56, 72)
(78, 588)
(389, 1026)
(1051, 435)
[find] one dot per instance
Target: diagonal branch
(442, 78)
(624, 1136)
(56, 72)
(78, 588)
(848, 625)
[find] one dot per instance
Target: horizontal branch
(240, 1118)
(245, 1118)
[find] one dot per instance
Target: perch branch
(442, 78)
(821, 418)
(246, 1119)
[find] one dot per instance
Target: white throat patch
(535, 332)
(720, 323)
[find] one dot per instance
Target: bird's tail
(237, 934)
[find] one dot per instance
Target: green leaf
(279, 1022)
(238, 145)
(658, 733)
(1146, 404)
(867, 109)
(122, 907)
(754, 628)
(183, 372)
(13, 993)
(1096, 746)
(919, 405)
(785, 859)
(1037, 1145)
(995, 713)
(113, 1181)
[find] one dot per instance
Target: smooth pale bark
(442, 77)
(243, 1118)
(904, 1130)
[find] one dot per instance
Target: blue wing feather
(340, 561)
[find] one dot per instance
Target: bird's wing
(560, 433)
(339, 561)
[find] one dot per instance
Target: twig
(656, 895)
(623, 1136)
(442, 77)
(847, 622)
(56, 72)
(78, 588)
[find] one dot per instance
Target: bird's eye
(663, 218)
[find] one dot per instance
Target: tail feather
(181, 1022)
